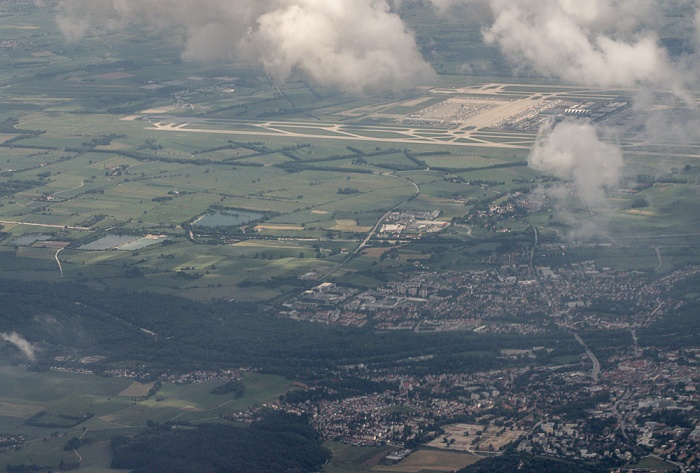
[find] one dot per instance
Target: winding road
(658, 255)
(58, 261)
(374, 229)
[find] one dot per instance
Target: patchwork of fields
(42, 407)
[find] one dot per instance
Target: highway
(595, 373)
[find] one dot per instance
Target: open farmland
(316, 188)
(167, 143)
(430, 460)
(50, 408)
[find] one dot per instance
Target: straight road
(14, 222)
(595, 373)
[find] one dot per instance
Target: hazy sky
(353, 45)
(361, 45)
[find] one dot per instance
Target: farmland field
(431, 461)
(146, 182)
(110, 406)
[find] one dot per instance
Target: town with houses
(637, 408)
(630, 404)
(516, 297)
(633, 404)
(641, 404)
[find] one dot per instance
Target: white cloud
(353, 45)
(607, 43)
(27, 349)
(574, 151)
(562, 38)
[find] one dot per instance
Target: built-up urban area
(515, 297)
(632, 404)
(642, 405)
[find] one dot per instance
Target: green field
(654, 464)
(349, 459)
(103, 175)
(23, 394)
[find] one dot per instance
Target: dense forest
(276, 442)
(71, 318)
(529, 464)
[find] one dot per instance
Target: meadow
(105, 150)
(79, 183)
(107, 411)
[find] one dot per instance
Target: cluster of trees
(679, 329)
(299, 167)
(669, 417)
(25, 467)
(530, 464)
(105, 140)
(61, 421)
(13, 186)
(513, 164)
(644, 181)
(233, 386)
(75, 443)
(348, 190)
